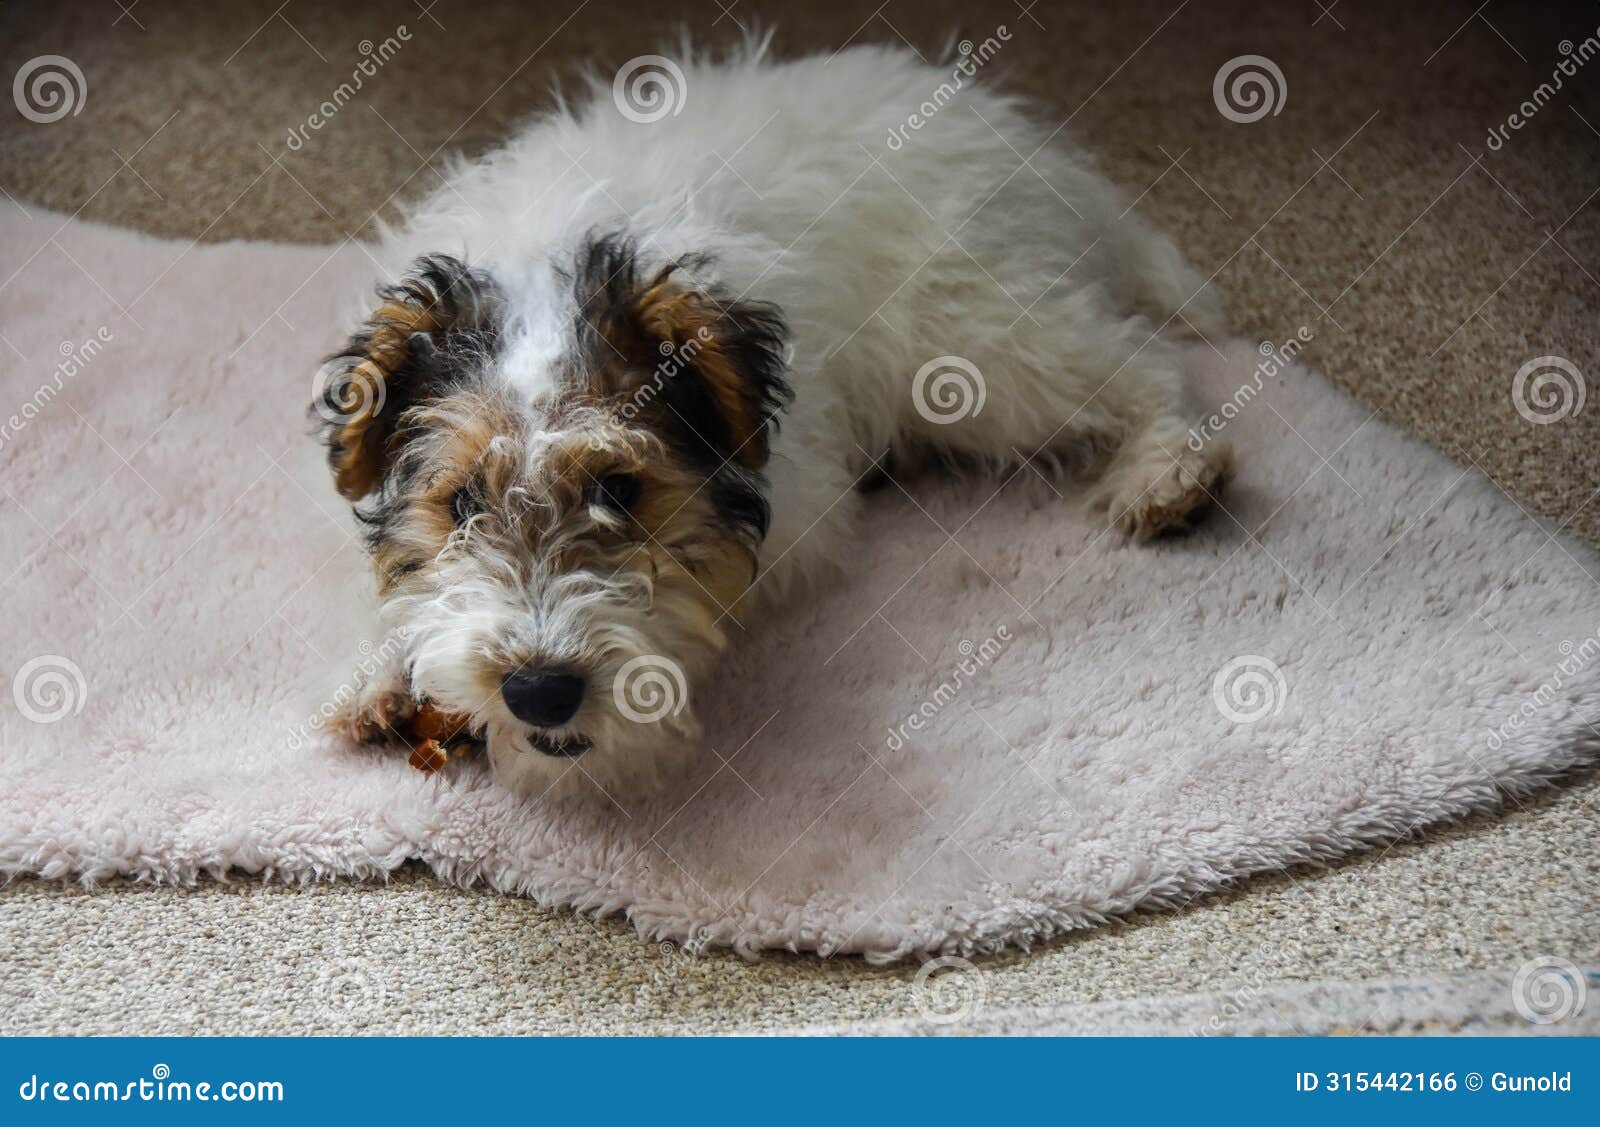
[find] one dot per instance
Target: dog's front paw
(1156, 495)
(379, 714)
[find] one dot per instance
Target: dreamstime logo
(1274, 362)
(48, 88)
(948, 989)
(649, 688)
(55, 990)
(1547, 990)
(1249, 688)
(974, 660)
(340, 394)
(49, 688)
(373, 58)
(1548, 389)
(649, 88)
(948, 389)
(669, 977)
(1240, 1002)
(348, 989)
(1575, 55)
(676, 357)
(1249, 87)
(1576, 657)
(74, 359)
(692, 946)
(972, 56)
(373, 660)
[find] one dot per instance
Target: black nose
(541, 697)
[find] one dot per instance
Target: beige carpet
(1428, 267)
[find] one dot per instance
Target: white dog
(643, 359)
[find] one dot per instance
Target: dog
(636, 366)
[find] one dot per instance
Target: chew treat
(433, 723)
(429, 756)
(437, 732)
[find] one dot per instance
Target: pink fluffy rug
(1010, 724)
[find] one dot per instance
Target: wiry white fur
(881, 260)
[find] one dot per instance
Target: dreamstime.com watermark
(1546, 990)
(1548, 389)
(948, 389)
(675, 358)
(158, 1087)
(973, 56)
(49, 87)
(649, 688)
(667, 976)
(373, 58)
(1249, 688)
(948, 989)
(1249, 87)
(974, 659)
(1574, 57)
(74, 359)
(347, 991)
(648, 88)
(1273, 363)
(1575, 658)
(373, 659)
(1240, 1002)
(49, 688)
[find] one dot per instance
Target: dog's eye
(464, 505)
(615, 491)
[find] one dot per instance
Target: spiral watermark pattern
(948, 989)
(1249, 688)
(340, 394)
(948, 389)
(349, 989)
(49, 87)
(649, 88)
(650, 688)
(1548, 389)
(1546, 990)
(49, 688)
(1249, 87)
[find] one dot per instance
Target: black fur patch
(752, 335)
(607, 286)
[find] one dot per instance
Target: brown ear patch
(709, 371)
(357, 449)
(692, 325)
(406, 354)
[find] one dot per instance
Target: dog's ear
(427, 327)
(717, 364)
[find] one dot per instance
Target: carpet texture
(1482, 1004)
(1406, 647)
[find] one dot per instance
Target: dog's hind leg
(1084, 390)
(1155, 483)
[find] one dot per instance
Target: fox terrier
(645, 356)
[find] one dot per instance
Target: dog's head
(563, 506)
